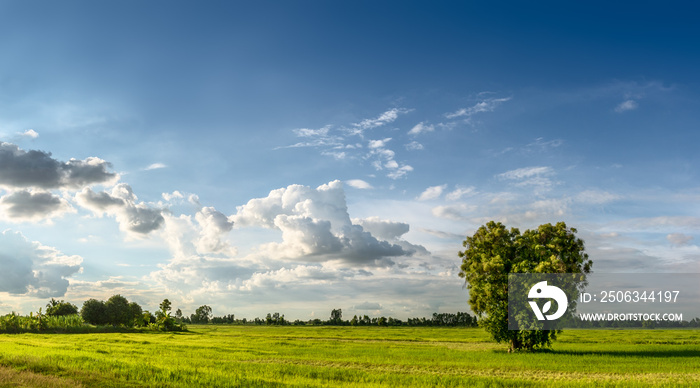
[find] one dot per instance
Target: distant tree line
(203, 316)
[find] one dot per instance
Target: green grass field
(233, 356)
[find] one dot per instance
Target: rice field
(326, 356)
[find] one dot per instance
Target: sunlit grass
(230, 356)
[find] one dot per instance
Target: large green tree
(494, 251)
(93, 312)
(118, 311)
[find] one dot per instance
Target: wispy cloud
(679, 239)
(385, 118)
(460, 192)
(596, 197)
(155, 166)
(413, 146)
(487, 105)
(536, 177)
(358, 184)
(432, 192)
(626, 106)
(421, 127)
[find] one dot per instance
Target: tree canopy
(494, 251)
(58, 308)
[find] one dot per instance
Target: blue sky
(304, 156)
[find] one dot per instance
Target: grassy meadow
(325, 356)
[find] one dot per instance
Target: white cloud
(315, 226)
(421, 128)
(374, 144)
(627, 105)
(537, 177)
(385, 118)
(526, 172)
(155, 166)
(452, 212)
(596, 197)
(30, 133)
(305, 275)
(305, 132)
(460, 192)
(174, 195)
(432, 192)
(413, 146)
(358, 184)
(337, 155)
(384, 159)
(342, 143)
(400, 172)
(213, 226)
(383, 229)
(29, 268)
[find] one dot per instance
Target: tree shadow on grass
(661, 353)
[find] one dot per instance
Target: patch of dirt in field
(10, 377)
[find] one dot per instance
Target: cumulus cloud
(214, 225)
(135, 218)
(384, 229)
(432, 192)
(315, 226)
(37, 169)
(25, 205)
(29, 268)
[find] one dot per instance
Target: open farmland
(231, 356)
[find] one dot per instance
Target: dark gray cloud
(37, 169)
(98, 202)
(25, 205)
(368, 306)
